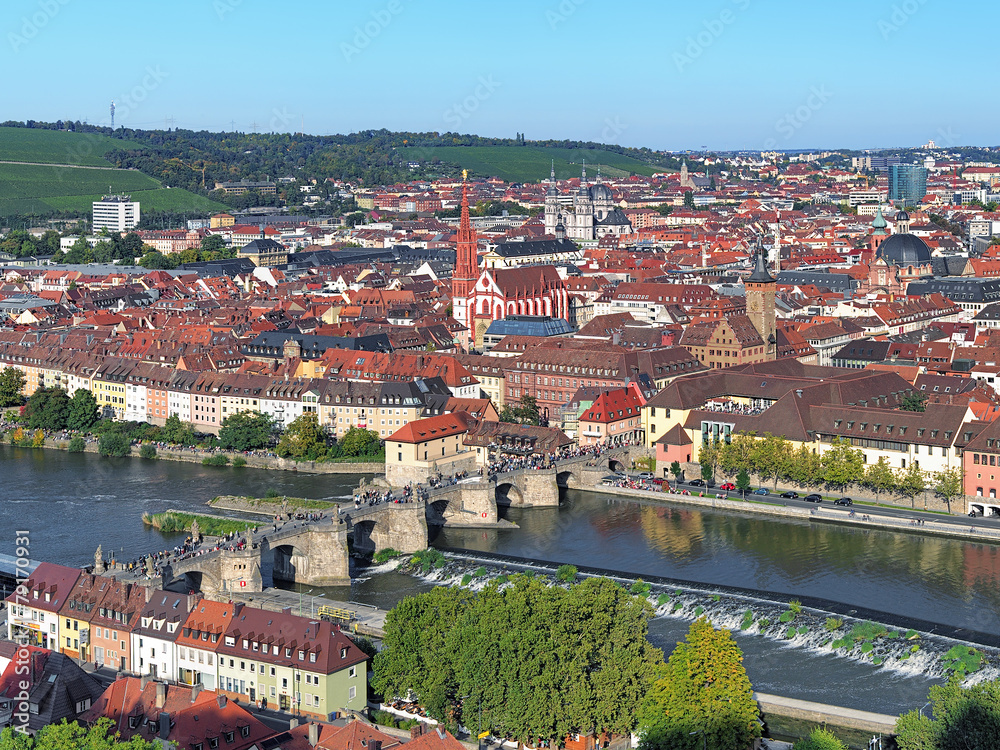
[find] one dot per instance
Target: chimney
(292, 723)
(286, 610)
(222, 700)
(194, 692)
(440, 732)
(149, 593)
(161, 694)
(798, 392)
(416, 731)
(143, 681)
(314, 734)
(164, 724)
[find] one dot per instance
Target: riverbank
(269, 506)
(864, 517)
(273, 463)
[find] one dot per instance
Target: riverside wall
(819, 514)
(253, 462)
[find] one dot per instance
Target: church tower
(552, 203)
(466, 273)
(760, 291)
(583, 208)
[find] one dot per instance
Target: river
(71, 502)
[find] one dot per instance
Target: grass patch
(762, 623)
(217, 460)
(502, 578)
(803, 629)
(427, 560)
(698, 611)
(715, 597)
(911, 634)
(790, 633)
(640, 588)
(747, 619)
(678, 592)
(479, 572)
(172, 521)
(833, 623)
(677, 606)
(59, 146)
(786, 616)
(239, 462)
(867, 647)
(466, 579)
(877, 661)
(293, 503)
(962, 660)
(662, 599)
(866, 631)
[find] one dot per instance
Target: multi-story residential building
(294, 662)
(647, 302)
(112, 621)
(427, 447)
(154, 636)
(179, 397)
(200, 640)
(76, 615)
(116, 213)
(489, 371)
(33, 608)
(108, 385)
(615, 418)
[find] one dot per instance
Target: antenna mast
(112, 115)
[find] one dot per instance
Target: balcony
(591, 433)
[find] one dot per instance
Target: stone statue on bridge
(195, 532)
(99, 560)
(150, 567)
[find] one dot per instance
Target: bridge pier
(398, 526)
(467, 504)
(315, 556)
(539, 488)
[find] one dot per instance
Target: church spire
(583, 180)
(552, 180)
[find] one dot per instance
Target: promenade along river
(70, 503)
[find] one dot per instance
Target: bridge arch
(616, 464)
(567, 478)
(508, 493)
(289, 563)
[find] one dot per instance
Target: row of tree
(535, 662)
(773, 459)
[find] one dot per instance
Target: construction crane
(192, 166)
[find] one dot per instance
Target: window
(351, 693)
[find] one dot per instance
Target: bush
(218, 460)
(466, 579)
(147, 451)
(384, 556)
(114, 444)
(566, 573)
(272, 493)
(820, 739)
(239, 462)
(640, 588)
(428, 560)
(833, 623)
(77, 445)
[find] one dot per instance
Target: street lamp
(703, 736)
(312, 604)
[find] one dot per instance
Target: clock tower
(760, 292)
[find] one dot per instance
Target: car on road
(760, 491)
(727, 486)
(789, 495)
(843, 501)
(697, 483)
(646, 475)
(813, 498)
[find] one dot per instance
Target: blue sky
(721, 74)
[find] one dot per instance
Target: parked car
(790, 494)
(813, 498)
(646, 475)
(697, 483)
(843, 501)
(658, 480)
(760, 491)
(727, 486)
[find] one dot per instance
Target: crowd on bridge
(504, 463)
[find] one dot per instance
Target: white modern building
(116, 213)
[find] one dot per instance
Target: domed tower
(551, 203)
(584, 209)
(902, 223)
(601, 198)
(560, 230)
(879, 230)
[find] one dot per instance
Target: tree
(880, 477)
(703, 688)
(526, 412)
(807, 468)
(156, 261)
(708, 457)
(962, 718)
(676, 469)
(743, 482)
(950, 484)
(688, 199)
(820, 739)
(99, 736)
(539, 662)
(773, 457)
(114, 444)
(304, 438)
(913, 401)
(12, 382)
(176, 432)
(213, 243)
(665, 209)
(911, 481)
(842, 464)
(359, 442)
(83, 412)
(246, 430)
(47, 409)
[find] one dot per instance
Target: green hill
(58, 146)
(532, 163)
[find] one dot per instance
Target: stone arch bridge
(316, 553)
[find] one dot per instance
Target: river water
(71, 502)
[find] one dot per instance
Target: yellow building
(427, 447)
(221, 220)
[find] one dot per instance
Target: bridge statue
(150, 568)
(99, 560)
(195, 532)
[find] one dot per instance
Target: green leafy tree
(157, 261)
(176, 432)
(773, 457)
(676, 469)
(743, 481)
(246, 430)
(213, 243)
(525, 412)
(67, 736)
(738, 453)
(880, 477)
(910, 482)
(842, 464)
(114, 444)
(359, 442)
(83, 413)
(303, 439)
(913, 401)
(47, 409)
(820, 739)
(12, 382)
(807, 468)
(688, 199)
(950, 484)
(962, 718)
(703, 688)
